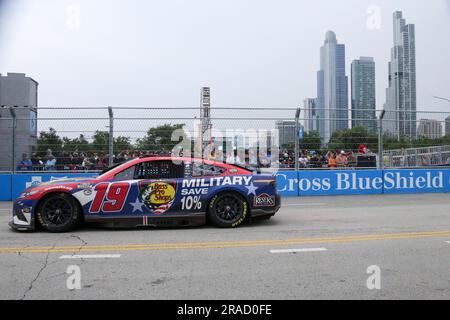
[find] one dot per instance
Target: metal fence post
(380, 141)
(297, 147)
(111, 136)
(13, 139)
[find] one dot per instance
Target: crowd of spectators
(74, 161)
(98, 161)
(312, 159)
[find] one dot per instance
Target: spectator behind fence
(101, 162)
(50, 164)
(303, 161)
(64, 162)
(362, 149)
(120, 158)
(331, 160)
(352, 161)
(25, 164)
(38, 165)
(87, 163)
(341, 160)
(77, 161)
(315, 161)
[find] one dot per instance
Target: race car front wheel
(227, 210)
(58, 212)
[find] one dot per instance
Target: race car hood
(62, 181)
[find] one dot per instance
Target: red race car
(151, 191)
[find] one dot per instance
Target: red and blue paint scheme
(152, 191)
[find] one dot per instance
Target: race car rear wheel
(227, 210)
(59, 212)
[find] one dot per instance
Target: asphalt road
(331, 242)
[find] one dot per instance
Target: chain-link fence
(93, 138)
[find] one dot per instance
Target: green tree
(311, 141)
(159, 138)
(350, 139)
(49, 140)
(390, 143)
(122, 144)
(100, 143)
(79, 144)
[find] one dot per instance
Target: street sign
(300, 133)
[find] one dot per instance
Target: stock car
(150, 191)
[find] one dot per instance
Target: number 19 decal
(110, 197)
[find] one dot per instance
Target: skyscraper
(363, 102)
(400, 119)
(311, 115)
(447, 126)
(431, 129)
(286, 132)
(332, 88)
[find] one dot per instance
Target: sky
(252, 53)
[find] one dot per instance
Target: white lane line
(91, 256)
(447, 241)
(299, 250)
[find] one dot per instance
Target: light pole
(440, 98)
(380, 140)
(297, 147)
(111, 137)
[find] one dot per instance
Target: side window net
(160, 170)
(206, 170)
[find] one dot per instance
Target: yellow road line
(220, 245)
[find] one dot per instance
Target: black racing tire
(227, 210)
(59, 212)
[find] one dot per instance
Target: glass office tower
(363, 101)
(332, 88)
(400, 118)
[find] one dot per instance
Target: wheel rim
(229, 208)
(57, 211)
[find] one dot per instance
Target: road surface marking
(298, 250)
(447, 241)
(91, 256)
(228, 244)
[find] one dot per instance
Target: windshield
(116, 166)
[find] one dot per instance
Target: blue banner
(292, 183)
(355, 182)
(5, 187)
(339, 182)
(416, 181)
(21, 181)
(287, 183)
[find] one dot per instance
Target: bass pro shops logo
(158, 196)
(264, 200)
